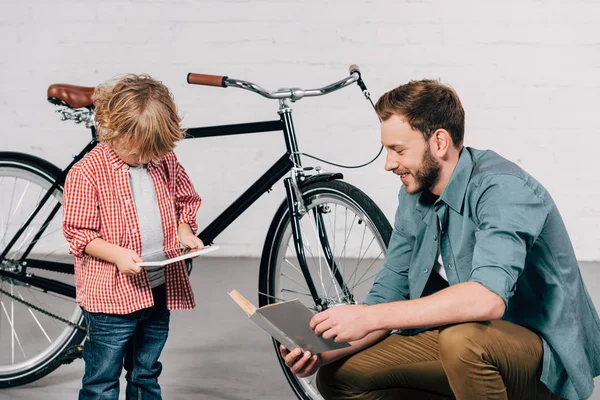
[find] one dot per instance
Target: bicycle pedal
(70, 354)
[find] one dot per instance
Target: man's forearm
(464, 302)
(356, 346)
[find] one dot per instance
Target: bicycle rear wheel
(32, 342)
(357, 233)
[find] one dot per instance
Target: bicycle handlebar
(292, 93)
(207, 80)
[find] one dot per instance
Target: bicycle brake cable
(367, 94)
(344, 166)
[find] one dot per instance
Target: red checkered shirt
(98, 203)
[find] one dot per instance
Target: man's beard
(428, 174)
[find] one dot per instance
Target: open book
(160, 259)
(288, 322)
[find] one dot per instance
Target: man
(480, 278)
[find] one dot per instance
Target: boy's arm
(124, 259)
(187, 237)
(81, 221)
(187, 201)
(81, 225)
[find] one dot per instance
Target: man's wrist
(381, 316)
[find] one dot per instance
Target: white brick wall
(528, 73)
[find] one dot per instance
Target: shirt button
(450, 266)
(434, 237)
(425, 270)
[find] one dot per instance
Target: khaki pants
(478, 360)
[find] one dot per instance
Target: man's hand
(188, 239)
(125, 261)
(302, 365)
(344, 323)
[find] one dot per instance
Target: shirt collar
(116, 161)
(454, 193)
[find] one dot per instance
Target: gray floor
(214, 351)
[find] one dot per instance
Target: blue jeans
(133, 341)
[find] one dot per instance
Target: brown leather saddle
(72, 96)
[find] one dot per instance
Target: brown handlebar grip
(206, 80)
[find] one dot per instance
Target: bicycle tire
(275, 250)
(33, 171)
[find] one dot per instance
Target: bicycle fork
(297, 209)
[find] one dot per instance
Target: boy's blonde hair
(138, 115)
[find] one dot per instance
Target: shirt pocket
(464, 265)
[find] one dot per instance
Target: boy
(129, 196)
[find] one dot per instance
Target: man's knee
(463, 343)
(336, 382)
(326, 381)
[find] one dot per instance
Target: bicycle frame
(290, 161)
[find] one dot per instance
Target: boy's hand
(191, 242)
(126, 260)
(188, 239)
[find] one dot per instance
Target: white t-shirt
(439, 263)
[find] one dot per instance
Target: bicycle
(313, 249)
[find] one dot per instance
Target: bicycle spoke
(20, 201)
(269, 296)
(358, 263)
(296, 282)
(370, 277)
(59, 229)
(9, 212)
(63, 247)
(293, 266)
(54, 322)
(36, 320)
(362, 241)
(25, 236)
(296, 292)
(370, 266)
(13, 332)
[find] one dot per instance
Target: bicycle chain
(66, 321)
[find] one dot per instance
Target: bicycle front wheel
(345, 237)
(37, 326)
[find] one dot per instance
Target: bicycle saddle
(72, 96)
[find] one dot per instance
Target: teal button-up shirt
(498, 226)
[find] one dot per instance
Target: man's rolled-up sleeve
(81, 222)
(391, 283)
(510, 217)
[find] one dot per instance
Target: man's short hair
(427, 105)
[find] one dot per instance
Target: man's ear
(441, 141)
